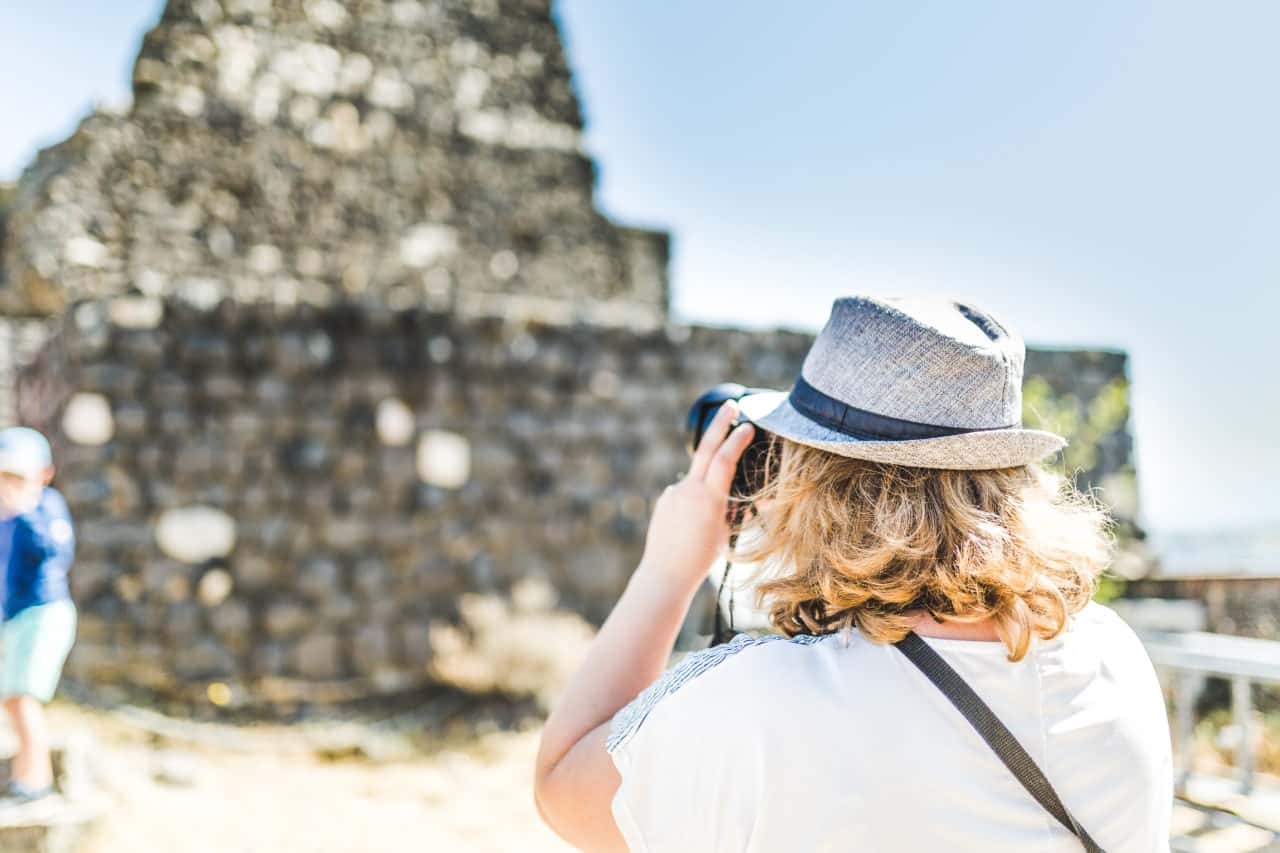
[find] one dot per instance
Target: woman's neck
(926, 626)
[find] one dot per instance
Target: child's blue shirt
(37, 548)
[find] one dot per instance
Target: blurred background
(365, 333)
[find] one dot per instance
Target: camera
(748, 478)
(752, 466)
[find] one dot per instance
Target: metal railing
(1191, 657)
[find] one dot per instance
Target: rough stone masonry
(342, 365)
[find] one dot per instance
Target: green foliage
(7, 192)
(1083, 425)
(1109, 589)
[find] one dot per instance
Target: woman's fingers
(712, 439)
(725, 462)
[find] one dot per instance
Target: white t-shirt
(821, 744)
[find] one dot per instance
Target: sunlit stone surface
(444, 459)
(136, 312)
(195, 534)
(214, 587)
(394, 422)
(87, 419)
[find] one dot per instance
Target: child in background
(37, 545)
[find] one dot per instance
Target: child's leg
(36, 643)
(31, 766)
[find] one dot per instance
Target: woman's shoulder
(1100, 633)
(1102, 623)
(732, 671)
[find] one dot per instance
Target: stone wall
(310, 151)
(21, 338)
(333, 480)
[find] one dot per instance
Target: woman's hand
(690, 527)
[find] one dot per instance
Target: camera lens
(703, 411)
(752, 466)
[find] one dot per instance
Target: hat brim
(969, 451)
(11, 463)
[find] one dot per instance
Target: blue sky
(1102, 173)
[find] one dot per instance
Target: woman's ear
(46, 477)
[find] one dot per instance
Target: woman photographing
(939, 679)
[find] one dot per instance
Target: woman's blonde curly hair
(867, 541)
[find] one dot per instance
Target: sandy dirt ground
(164, 785)
(267, 791)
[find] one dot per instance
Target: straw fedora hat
(924, 381)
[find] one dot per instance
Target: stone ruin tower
(337, 353)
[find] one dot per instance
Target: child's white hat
(24, 451)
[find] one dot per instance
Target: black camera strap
(722, 633)
(994, 732)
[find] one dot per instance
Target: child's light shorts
(35, 645)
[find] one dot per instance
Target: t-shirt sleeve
(31, 545)
(53, 540)
(59, 530)
(40, 547)
(684, 779)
